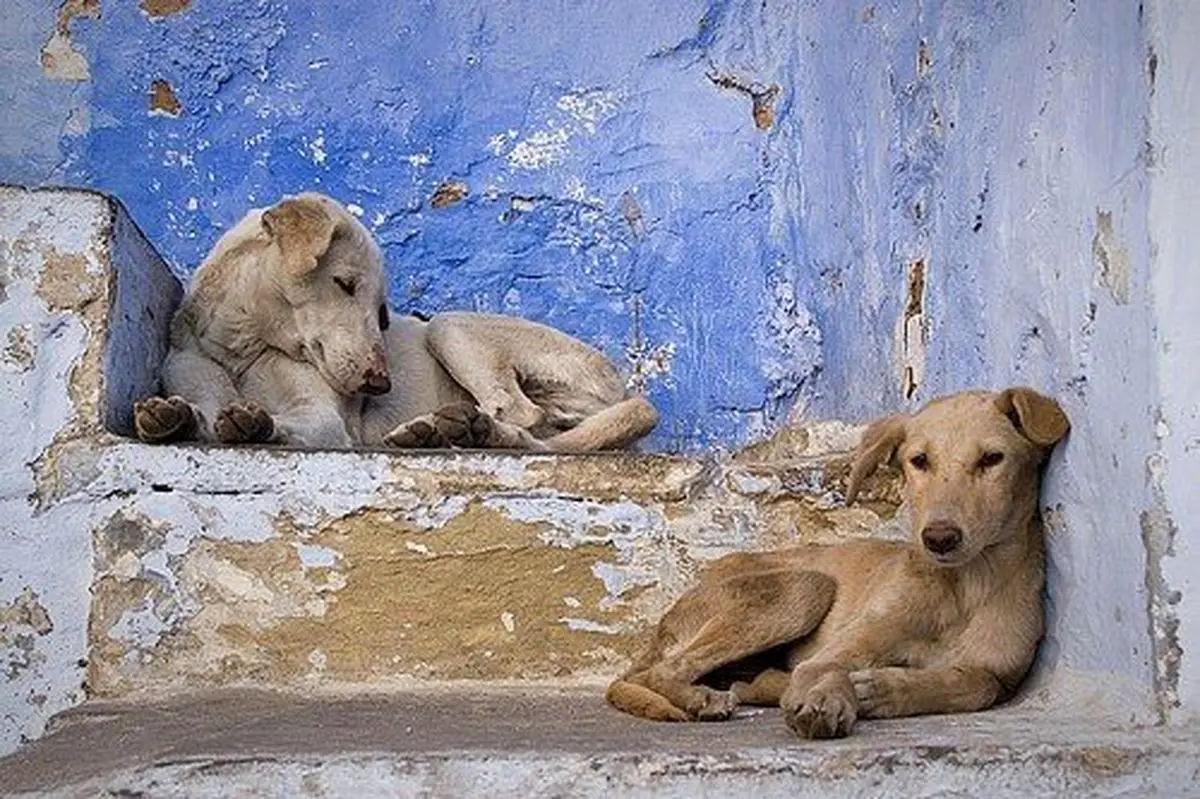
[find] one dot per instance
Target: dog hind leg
(717, 624)
(482, 370)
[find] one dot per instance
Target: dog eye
(383, 318)
(920, 461)
(345, 285)
(990, 459)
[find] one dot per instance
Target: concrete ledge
(216, 566)
(547, 742)
(80, 291)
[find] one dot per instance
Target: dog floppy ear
(303, 229)
(877, 446)
(1035, 416)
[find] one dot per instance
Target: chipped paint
(762, 98)
(449, 193)
(911, 332)
(1112, 258)
(60, 58)
(20, 349)
(541, 149)
(163, 101)
(156, 9)
(432, 562)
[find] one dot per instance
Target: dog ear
(878, 445)
(303, 228)
(1035, 416)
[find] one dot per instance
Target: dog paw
(157, 420)
(244, 424)
(718, 706)
(822, 714)
(417, 434)
(464, 426)
(876, 693)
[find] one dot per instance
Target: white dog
(285, 337)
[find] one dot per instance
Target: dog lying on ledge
(946, 623)
(285, 337)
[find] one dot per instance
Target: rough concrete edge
(1155, 768)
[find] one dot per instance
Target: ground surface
(552, 742)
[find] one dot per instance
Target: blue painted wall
(615, 190)
(618, 185)
(942, 195)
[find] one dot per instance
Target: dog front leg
(820, 700)
(321, 430)
(196, 389)
(898, 691)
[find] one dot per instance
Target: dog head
(971, 465)
(328, 270)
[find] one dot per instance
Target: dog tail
(638, 700)
(616, 426)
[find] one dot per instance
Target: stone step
(481, 740)
(217, 566)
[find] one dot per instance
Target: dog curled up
(284, 336)
(946, 622)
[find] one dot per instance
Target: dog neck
(1015, 563)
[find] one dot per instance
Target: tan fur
(285, 337)
(947, 622)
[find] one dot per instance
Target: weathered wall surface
(370, 570)
(55, 255)
(756, 207)
(761, 209)
(592, 165)
(1172, 523)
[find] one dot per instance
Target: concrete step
(217, 567)
(485, 740)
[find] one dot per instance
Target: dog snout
(376, 381)
(941, 538)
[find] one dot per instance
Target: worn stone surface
(368, 568)
(479, 740)
(67, 260)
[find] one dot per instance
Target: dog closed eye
(989, 459)
(345, 285)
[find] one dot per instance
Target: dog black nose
(941, 538)
(376, 382)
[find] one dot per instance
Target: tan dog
(946, 623)
(285, 337)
